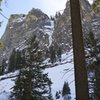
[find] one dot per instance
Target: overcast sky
(49, 7)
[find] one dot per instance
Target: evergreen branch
(4, 16)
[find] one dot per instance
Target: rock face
(62, 33)
(62, 29)
(20, 27)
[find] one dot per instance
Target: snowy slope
(63, 71)
(6, 83)
(59, 75)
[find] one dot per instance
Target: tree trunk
(81, 82)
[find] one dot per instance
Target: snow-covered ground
(63, 71)
(6, 83)
(58, 75)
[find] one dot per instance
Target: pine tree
(3, 66)
(59, 52)
(66, 92)
(52, 54)
(18, 59)
(52, 18)
(93, 47)
(12, 61)
(66, 89)
(92, 43)
(56, 16)
(42, 90)
(0, 70)
(59, 14)
(31, 83)
(41, 83)
(23, 86)
(57, 95)
(23, 62)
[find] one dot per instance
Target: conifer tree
(41, 83)
(59, 52)
(92, 43)
(57, 95)
(93, 47)
(0, 70)
(66, 89)
(59, 14)
(56, 16)
(52, 54)
(12, 61)
(52, 18)
(23, 62)
(18, 59)
(3, 66)
(31, 83)
(66, 92)
(23, 86)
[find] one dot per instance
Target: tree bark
(81, 82)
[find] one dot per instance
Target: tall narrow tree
(32, 83)
(81, 82)
(66, 92)
(12, 61)
(93, 47)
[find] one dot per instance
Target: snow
(61, 72)
(10, 27)
(48, 29)
(21, 46)
(96, 23)
(67, 57)
(6, 85)
(59, 75)
(90, 1)
(19, 19)
(12, 74)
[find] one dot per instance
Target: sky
(50, 7)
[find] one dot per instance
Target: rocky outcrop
(62, 33)
(20, 27)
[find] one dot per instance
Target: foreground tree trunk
(79, 55)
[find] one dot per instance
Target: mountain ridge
(56, 32)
